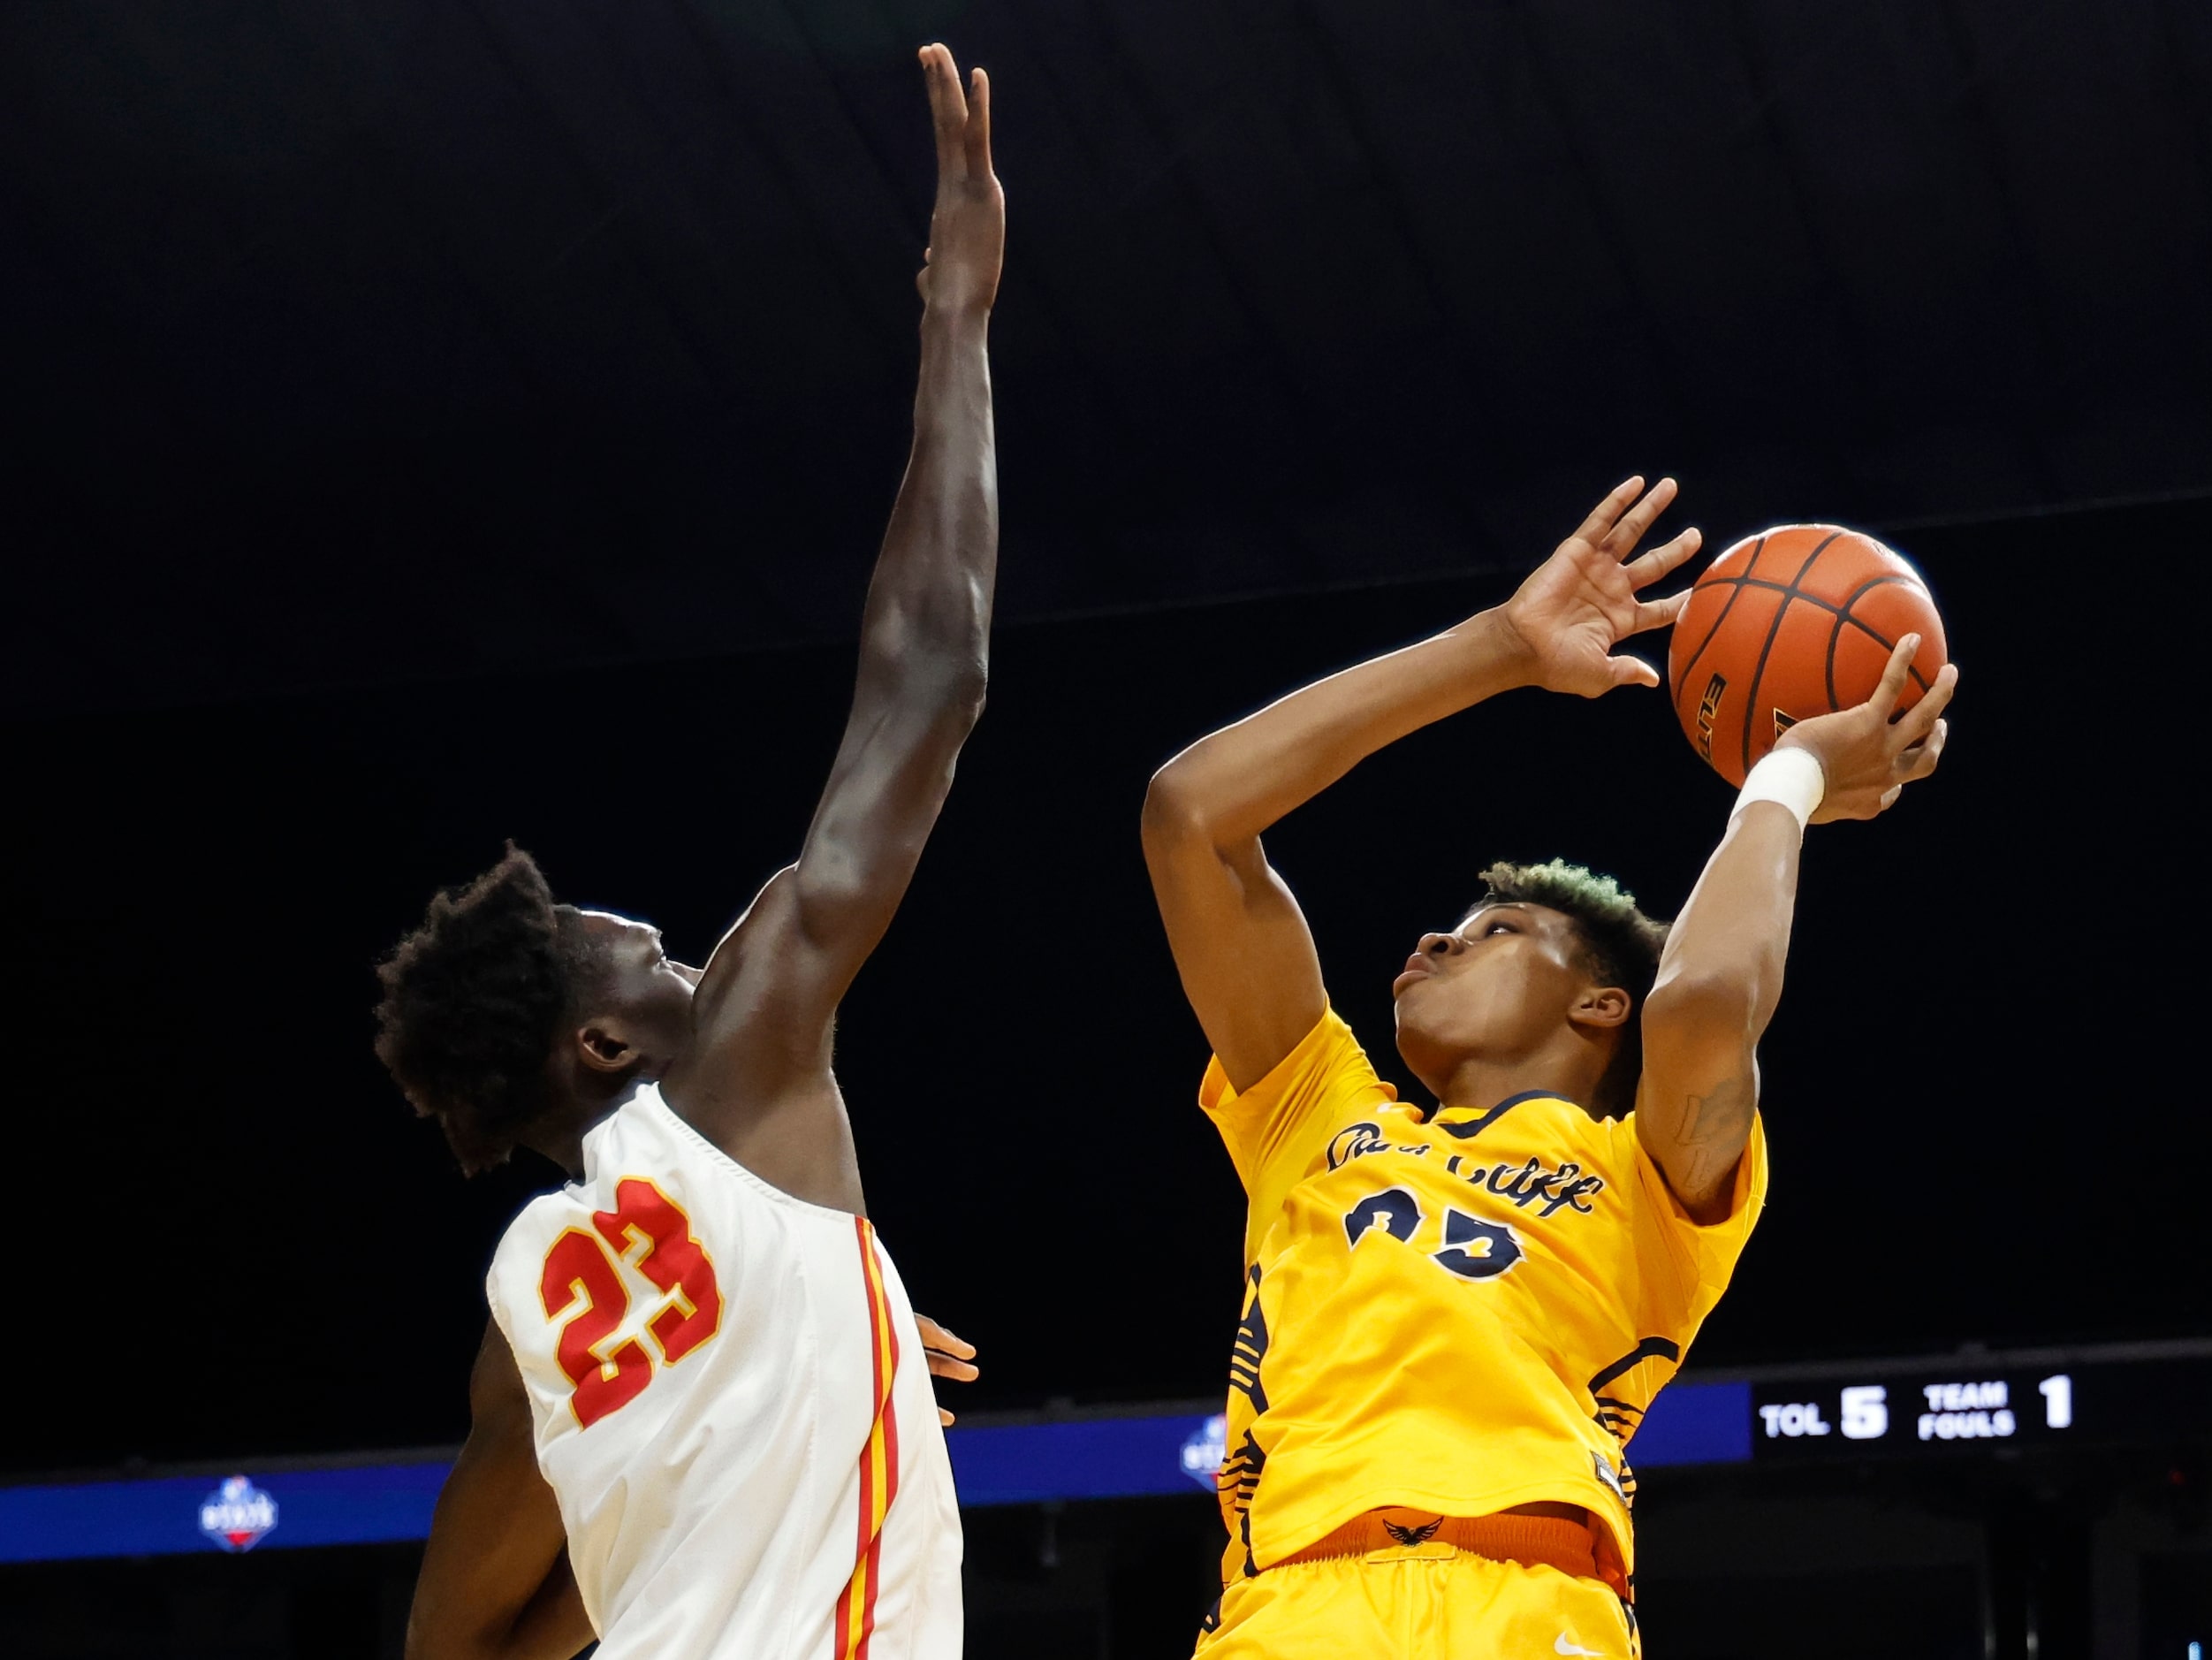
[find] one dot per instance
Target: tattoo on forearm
(1715, 1128)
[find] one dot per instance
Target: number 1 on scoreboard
(2058, 1401)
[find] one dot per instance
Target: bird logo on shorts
(1420, 1535)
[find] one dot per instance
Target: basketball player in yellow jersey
(1455, 1316)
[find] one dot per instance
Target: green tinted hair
(1619, 947)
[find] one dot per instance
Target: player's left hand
(968, 225)
(950, 1355)
(1583, 601)
(1868, 754)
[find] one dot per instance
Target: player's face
(1498, 985)
(647, 981)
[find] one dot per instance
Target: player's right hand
(960, 268)
(1868, 754)
(1581, 602)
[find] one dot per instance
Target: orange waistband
(1547, 1542)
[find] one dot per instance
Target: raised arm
(1721, 974)
(1241, 943)
(496, 1583)
(766, 1002)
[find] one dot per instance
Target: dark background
(1980, 1121)
(466, 420)
(366, 343)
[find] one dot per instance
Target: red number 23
(580, 1269)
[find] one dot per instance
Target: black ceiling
(358, 343)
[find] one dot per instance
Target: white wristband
(1791, 778)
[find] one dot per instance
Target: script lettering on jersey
(1566, 1187)
(649, 1233)
(1356, 1141)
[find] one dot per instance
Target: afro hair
(473, 999)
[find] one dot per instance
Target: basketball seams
(1784, 588)
(1775, 586)
(1788, 597)
(1737, 585)
(1843, 616)
(1875, 635)
(1835, 633)
(1873, 582)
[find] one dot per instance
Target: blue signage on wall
(1098, 1458)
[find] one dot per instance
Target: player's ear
(604, 1045)
(1601, 1008)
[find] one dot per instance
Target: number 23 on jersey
(650, 1231)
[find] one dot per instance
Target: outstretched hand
(949, 1356)
(960, 268)
(1868, 754)
(1580, 603)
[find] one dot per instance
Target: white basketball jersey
(733, 1408)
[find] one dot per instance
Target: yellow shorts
(1424, 1602)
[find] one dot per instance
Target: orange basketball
(1793, 623)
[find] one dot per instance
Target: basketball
(1794, 622)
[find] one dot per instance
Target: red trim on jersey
(878, 1463)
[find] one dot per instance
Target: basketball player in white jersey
(702, 1423)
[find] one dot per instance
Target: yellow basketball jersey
(1455, 1313)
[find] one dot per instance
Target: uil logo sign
(1203, 1452)
(237, 1514)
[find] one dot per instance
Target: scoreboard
(1982, 1405)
